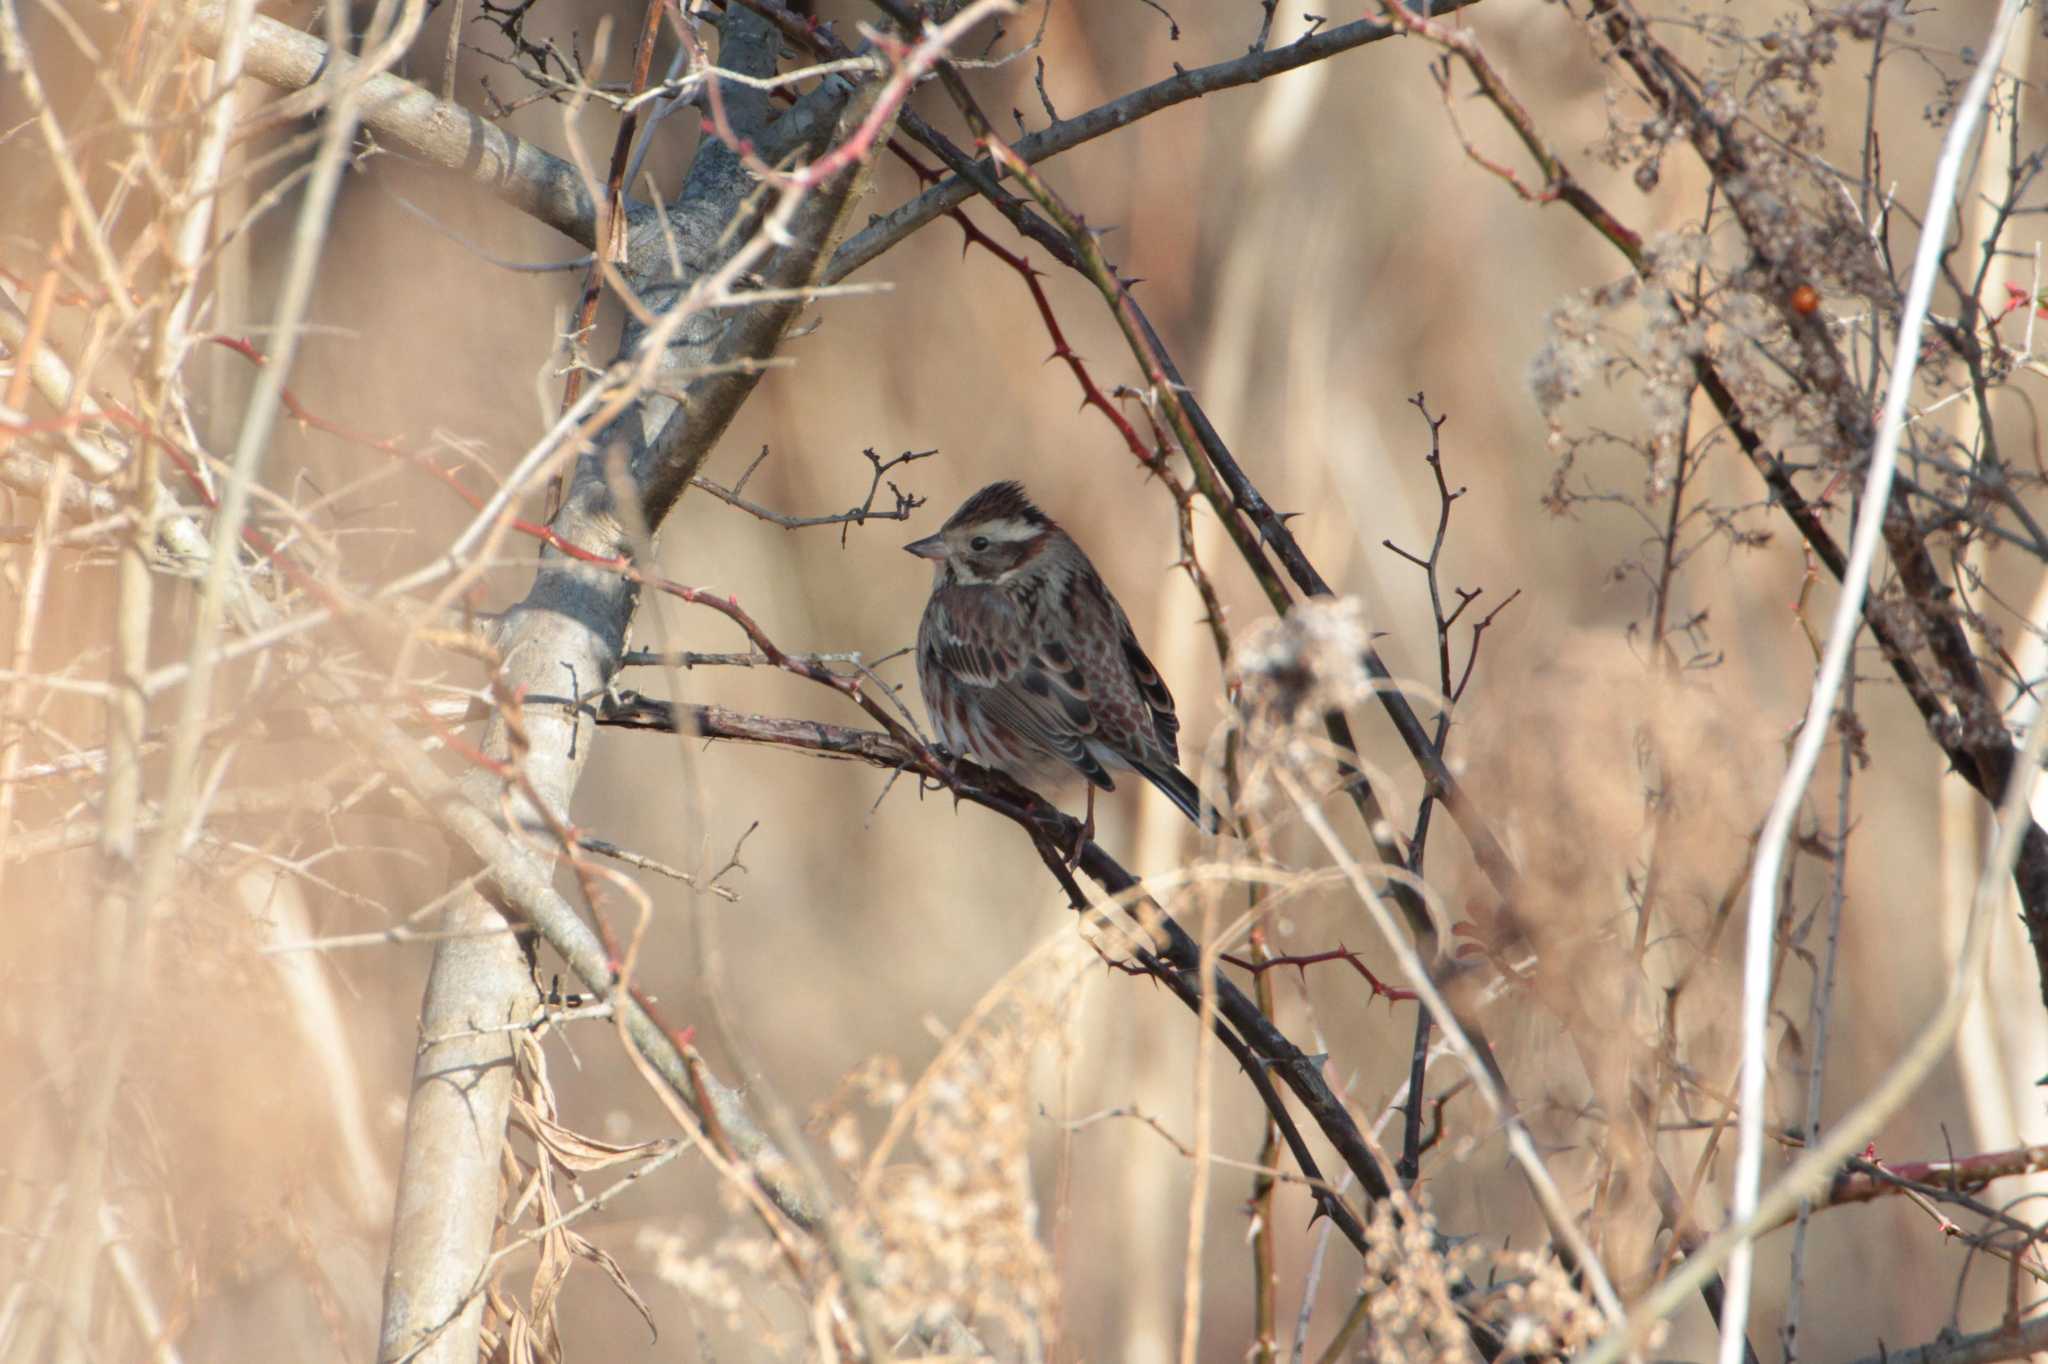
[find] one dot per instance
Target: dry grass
(1010, 1132)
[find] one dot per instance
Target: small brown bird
(1028, 663)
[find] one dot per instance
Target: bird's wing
(1151, 687)
(1038, 693)
(1151, 742)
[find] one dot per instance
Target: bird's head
(995, 533)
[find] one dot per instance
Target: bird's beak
(931, 547)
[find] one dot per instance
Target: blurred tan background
(1315, 251)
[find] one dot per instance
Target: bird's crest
(999, 502)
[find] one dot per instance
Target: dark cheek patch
(996, 562)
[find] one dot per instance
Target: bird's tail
(1182, 792)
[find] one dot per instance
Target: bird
(1028, 663)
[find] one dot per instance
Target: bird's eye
(978, 543)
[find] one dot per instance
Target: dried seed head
(1311, 660)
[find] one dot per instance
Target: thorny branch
(1177, 957)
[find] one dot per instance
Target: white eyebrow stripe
(1011, 528)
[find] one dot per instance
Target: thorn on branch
(1043, 98)
(1302, 961)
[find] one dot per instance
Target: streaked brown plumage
(1028, 663)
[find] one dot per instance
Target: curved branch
(436, 131)
(1176, 960)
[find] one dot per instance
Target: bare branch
(437, 131)
(2006, 1341)
(867, 511)
(1249, 69)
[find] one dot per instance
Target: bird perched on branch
(1028, 663)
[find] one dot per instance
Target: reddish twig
(1301, 961)
(1963, 1174)
(1091, 394)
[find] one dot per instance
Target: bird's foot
(1084, 835)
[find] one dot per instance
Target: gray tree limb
(566, 639)
(2006, 1341)
(436, 131)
